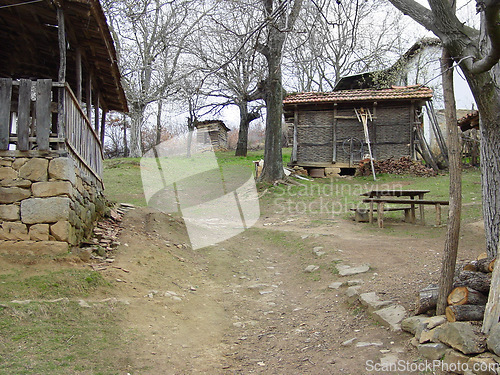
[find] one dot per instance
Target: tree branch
(491, 9)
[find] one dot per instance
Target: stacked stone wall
(47, 204)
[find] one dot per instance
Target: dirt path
(247, 306)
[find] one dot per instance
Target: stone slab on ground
(345, 270)
(462, 336)
(414, 324)
(390, 316)
(372, 301)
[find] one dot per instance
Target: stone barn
(58, 79)
(212, 132)
(328, 131)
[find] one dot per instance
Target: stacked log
(402, 166)
(469, 295)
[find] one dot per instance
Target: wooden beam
(62, 44)
(23, 114)
(79, 76)
(5, 99)
(88, 93)
(43, 113)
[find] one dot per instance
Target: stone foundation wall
(46, 203)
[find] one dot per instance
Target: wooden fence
(44, 115)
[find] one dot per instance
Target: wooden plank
(295, 125)
(23, 114)
(5, 99)
(406, 201)
(43, 114)
(380, 214)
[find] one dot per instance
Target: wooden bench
(412, 202)
(363, 214)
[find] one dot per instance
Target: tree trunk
(137, 116)
(455, 163)
(463, 295)
(158, 122)
(463, 313)
(125, 142)
(273, 159)
(487, 97)
(242, 145)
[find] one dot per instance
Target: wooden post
(79, 76)
(370, 216)
(5, 99)
(23, 114)
(438, 214)
(103, 126)
(88, 94)
(43, 113)
(380, 214)
(334, 133)
(96, 112)
(62, 71)
(295, 124)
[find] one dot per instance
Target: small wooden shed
(58, 78)
(328, 131)
(212, 132)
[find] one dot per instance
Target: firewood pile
(105, 234)
(467, 300)
(403, 166)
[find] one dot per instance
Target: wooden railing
(44, 115)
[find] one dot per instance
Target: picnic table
(407, 198)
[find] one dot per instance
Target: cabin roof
(205, 123)
(361, 95)
(29, 40)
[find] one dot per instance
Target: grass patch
(61, 338)
(67, 283)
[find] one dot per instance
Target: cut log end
(463, 295)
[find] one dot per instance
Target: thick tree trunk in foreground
(455, 165)
(273, 159)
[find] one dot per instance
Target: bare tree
(477, 54)
(233, 69)
(339, 38)
(280, 17)
(151, 37)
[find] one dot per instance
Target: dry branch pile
(402, 166)
(468, 298)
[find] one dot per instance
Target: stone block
(345, 270)
(52, 189)
(62, 169)
(39, 232)
(9, 212)
(454, 362)
(332, 172)
(18, 163)
(45, 210)
(16, 183)
(15, 231)
(13, 194)
(435, 321)
(372, 301)
(61, 230)
(390, 316)
(483, 365)
(352, 293)
(494, 339)
(462, 336)
(432, 351)
(34, 248)
(414, 324)
(4, 162)
(35, 170)
(7, 173)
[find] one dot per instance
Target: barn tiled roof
(393, 93)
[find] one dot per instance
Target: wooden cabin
(328, 130)
(212, 132)
(58, 79)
